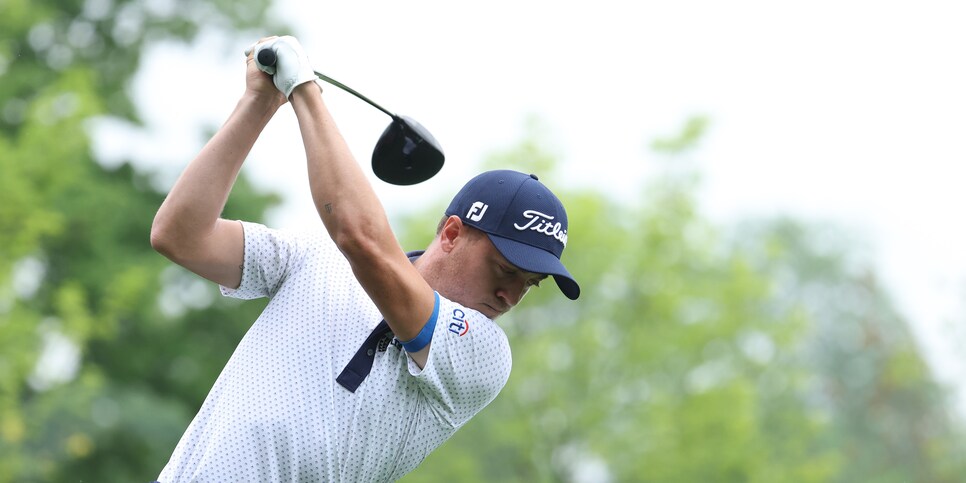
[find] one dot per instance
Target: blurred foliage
(887, 417)
(757, 352)
(105, 350)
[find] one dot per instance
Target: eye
(535, 282)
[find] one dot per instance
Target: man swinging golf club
(365, 359)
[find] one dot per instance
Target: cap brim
(537, 260)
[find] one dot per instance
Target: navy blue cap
(524, 220)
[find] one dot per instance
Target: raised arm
(187, 228)
(353, 215)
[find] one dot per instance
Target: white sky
(852, 112)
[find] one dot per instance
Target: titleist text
(543, 223)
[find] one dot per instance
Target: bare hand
(258, 83)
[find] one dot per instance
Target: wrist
(268, 102)
(311, 88)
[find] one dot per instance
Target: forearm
(346, 202)
(197, 199)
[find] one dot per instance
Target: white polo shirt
(276, 412)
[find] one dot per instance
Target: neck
(428, 265)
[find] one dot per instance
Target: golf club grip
(267, 57)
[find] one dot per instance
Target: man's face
(486, 281)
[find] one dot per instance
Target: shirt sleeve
(269, 258)
(469, 363)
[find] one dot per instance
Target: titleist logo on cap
(543, 223)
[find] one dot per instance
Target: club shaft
(268, 57)
(353, 92)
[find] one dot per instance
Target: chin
(491, 313)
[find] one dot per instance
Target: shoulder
(306, 238)
(463, 322)
(469, 363)
(473, 337)
(307, 232)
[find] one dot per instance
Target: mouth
(492, 312)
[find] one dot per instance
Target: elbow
(351, 245)
(357, 243)
(158, 242)
(162, 238)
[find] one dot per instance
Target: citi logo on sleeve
(543, 223)
(476, 211)
(458, 324)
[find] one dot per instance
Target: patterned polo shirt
(276, 413)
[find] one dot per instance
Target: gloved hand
(291, 68)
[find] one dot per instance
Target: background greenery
(764, 351)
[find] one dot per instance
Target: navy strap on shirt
(360, 365)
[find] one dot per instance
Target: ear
(453, 229)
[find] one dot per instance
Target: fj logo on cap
(542, 223)
(476, 211)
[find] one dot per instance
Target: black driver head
(406, 153)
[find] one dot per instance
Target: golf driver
(405, 154)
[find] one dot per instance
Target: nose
(511, 293)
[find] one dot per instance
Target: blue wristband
(422, 339)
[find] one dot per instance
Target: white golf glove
(291, 68)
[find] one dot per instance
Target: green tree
(694, 354)
(889, 419)
(97, 381)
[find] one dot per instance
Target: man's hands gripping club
(292, 67)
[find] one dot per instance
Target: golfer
(365, 359)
